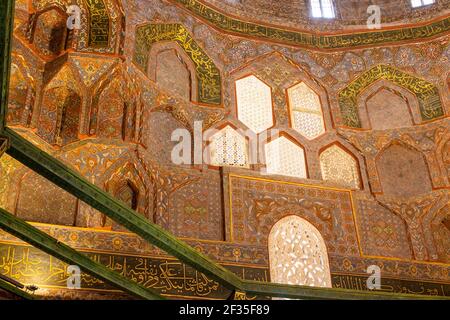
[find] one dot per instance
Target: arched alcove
(403, 171)
(441, 234)
(172, 73)
(60, 113)
(387, 109)
(39, 200)
(60, 109)
(50, 33)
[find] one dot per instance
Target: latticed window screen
(322, 9)
(340, 167)
(286, 158)
(306, 111)
(254, 102)
(228, 148)
(421, 3)
(298, 254)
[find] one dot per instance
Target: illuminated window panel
(306, 111)
(421, 3)
(254, 101)
(284, 157)
(340, 167)
(228, 148)
(298, 254)
(322, 9)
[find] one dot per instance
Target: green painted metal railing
(8, 287)
(50, 245)
(69, 180)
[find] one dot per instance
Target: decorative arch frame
(99, 15)
(377, 86)
(426, 93)
(126, 173)
(326, 281)
(441, 152)
(186, 60)
(69, 83)
(430, 220)
(208, 75)
(34, 18)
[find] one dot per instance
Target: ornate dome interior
(289, 142)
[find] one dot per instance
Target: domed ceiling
(349, 13)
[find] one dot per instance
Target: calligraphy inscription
(355, 39)
(98, 24)
(168, 276)
(427, 94)
(359, 282)
(209, 80)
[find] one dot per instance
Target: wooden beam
(53, 247)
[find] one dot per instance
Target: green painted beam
(69, 180)
(8, 287)
(317, 293)
(64, 177)
(6, 23)
(53, 247)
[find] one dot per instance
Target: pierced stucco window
(285, 157)
(322, 9)
(298, 254)
(228, 148)
(421, 3)
(306, 111)
(340, 167)
(254, 103)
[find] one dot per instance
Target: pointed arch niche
(50, 31)
(403, 171)
(173, 70)
(298, 254)
(209, 83)
(386, 105)
(426, 93)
